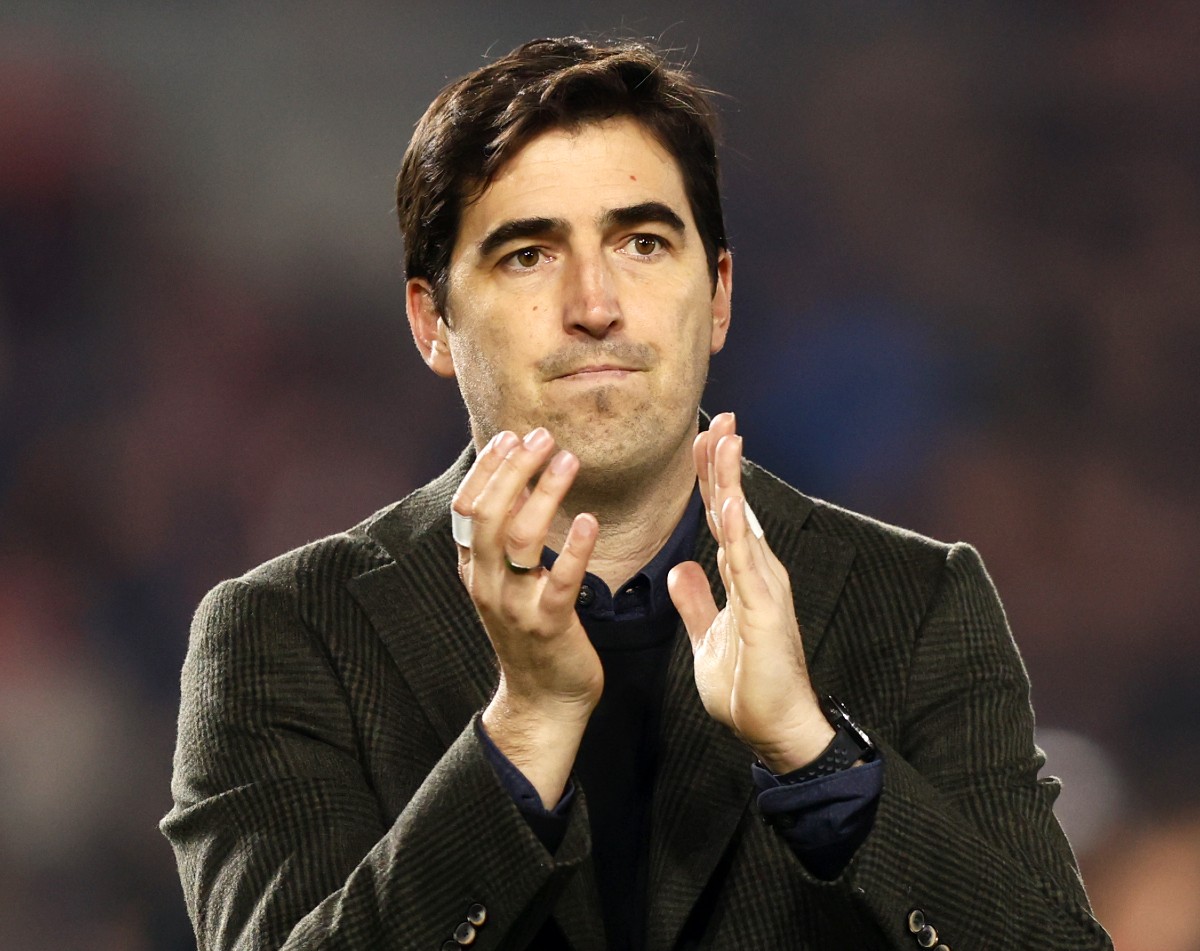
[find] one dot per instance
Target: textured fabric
(331, 792)
(826, 818)
(549, 825)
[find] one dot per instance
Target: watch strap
(843, 751)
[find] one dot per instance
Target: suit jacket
(330, 790)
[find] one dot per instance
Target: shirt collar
(645, 595)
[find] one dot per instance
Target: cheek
(473, 361)
(488, 364)
(694, 322)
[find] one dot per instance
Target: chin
(618, 448)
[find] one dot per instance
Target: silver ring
(462, 529)
(518, 569)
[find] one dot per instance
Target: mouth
(598, 372)
(596, 361)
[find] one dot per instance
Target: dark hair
(480, 121)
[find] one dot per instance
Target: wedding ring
(519, 569)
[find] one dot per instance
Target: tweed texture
(330, 791)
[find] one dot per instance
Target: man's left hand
(749, 658)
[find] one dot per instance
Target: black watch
(848, 746)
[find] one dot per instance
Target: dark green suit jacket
(330, 791)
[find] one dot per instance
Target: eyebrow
(519, 228)
(646, 212)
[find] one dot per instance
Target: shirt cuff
(826, 819)
(549, 825)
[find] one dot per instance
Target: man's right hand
(550, 675)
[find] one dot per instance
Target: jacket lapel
(703, 784)
(421, 610)
(433, 634)
(429, 625)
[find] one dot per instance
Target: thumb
(689, 590)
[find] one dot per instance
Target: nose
(591, 306)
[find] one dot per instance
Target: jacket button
(927, 936)
(477, 914)
(942, 947)
(464, 934)
(586, 596)
(916, 920)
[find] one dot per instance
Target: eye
(645, 245)
(526, 257)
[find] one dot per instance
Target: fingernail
(503, 442)
(561, 463)
(752, 520)
(537, 439)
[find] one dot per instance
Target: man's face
(579, 299)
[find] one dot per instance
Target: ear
(428, 328)
(722, 301)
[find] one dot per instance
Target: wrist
(540, 741)
(848, 748)
(797, 749)
(538, 712)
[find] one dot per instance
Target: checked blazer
(330, 791)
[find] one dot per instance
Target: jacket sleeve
(964, 841)
(280, 838)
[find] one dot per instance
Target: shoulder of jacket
(877, 544)
(340, 556)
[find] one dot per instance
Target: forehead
(577, 173)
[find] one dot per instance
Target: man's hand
(749, 658)
(550, 675)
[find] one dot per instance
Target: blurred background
(968, 278)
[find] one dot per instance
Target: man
(475, 719)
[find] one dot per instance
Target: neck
(635, 519)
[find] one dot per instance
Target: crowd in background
(967, 301)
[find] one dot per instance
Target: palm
(748, 656)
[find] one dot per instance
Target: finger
(481, 471)
(463, 504)
(761, 549)
(566, 576)
(700, 461)
(727, 476)
(723, 424)
(688, 586)
(728, 486)
(503, 491)
(527, 527)
(744, 559)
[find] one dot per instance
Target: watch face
(839, 716)
(864, 741)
